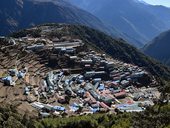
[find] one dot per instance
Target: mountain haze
(137, 19)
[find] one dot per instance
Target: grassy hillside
(9, 118)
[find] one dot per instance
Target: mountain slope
(132, 17)
(159, 48)
(18, 14)
(117, 49)
(37, 60)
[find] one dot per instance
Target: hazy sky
(159, 2)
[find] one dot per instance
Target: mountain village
(86, 81)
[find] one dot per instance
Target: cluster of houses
(93, 82)
(102, 84)
(13, 75)
(56, 44)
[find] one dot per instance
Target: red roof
(104, 105)
(120, 94)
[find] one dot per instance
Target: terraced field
(39, 63)
(16, 57)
